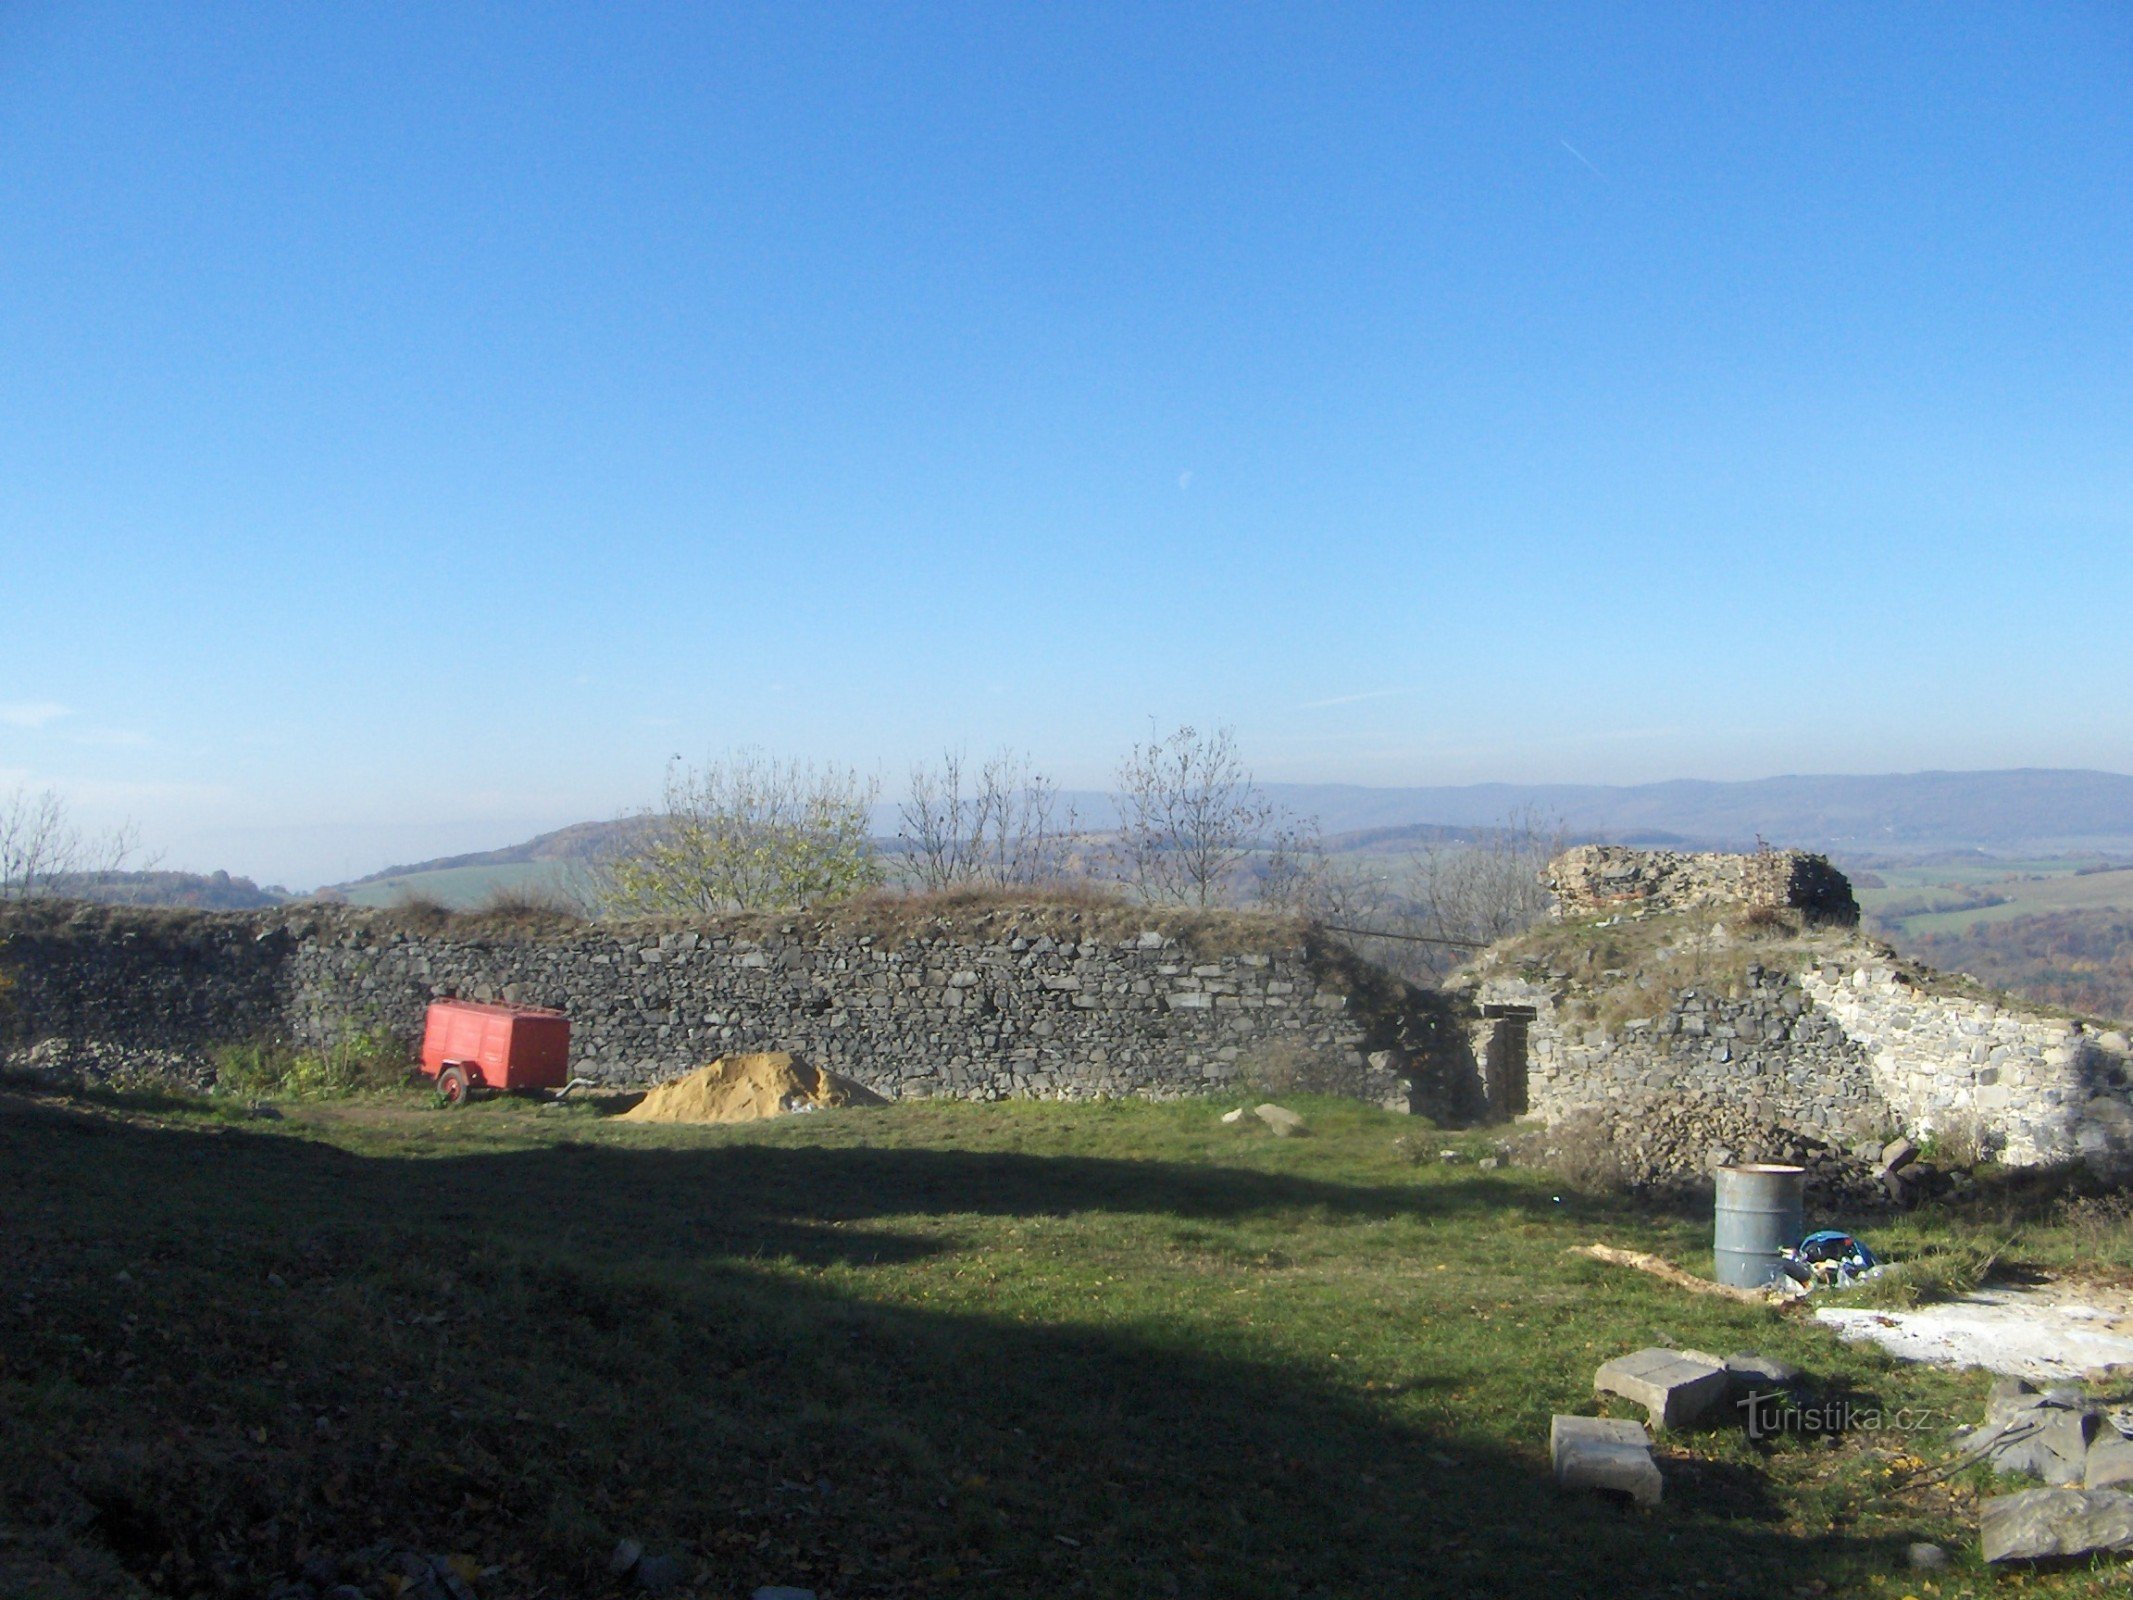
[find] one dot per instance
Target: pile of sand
(746, 1088)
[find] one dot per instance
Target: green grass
(932, 1349)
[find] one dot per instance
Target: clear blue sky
(418, 422)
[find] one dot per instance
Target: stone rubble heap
(2057, 1434)
(2062, 1436)
(1657, 1143)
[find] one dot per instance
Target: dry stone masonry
(1046, 1006)
(1597, 879)
(1759, 1026)
(1817, 1051)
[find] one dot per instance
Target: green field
(932, 1349)
(2023, 888)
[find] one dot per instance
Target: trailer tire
(452, 1086)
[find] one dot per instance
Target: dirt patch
(2049, 1333)
(748, 1088)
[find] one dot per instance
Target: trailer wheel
(452, 1086)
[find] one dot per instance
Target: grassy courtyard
(1107, 1350)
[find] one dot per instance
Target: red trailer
(468, 1045)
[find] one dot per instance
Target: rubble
(2058, 1435)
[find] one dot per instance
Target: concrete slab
(1609, 1453)
(1675, 1387)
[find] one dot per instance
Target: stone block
(2047, 1524)
(1281, 1119)
(1753, 1374)
(2109, 1464)
(1673, 1387)
(1604, 1453)
(2042, 1440)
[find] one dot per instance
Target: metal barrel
(1759, 1214)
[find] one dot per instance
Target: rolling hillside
(1983, 823)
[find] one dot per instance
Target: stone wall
(99, 991)
(1768, 1050)
(1598, 879)
(2039, 1089)
(1827, 1036)
(1049, 1002)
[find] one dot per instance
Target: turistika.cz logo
(1769, 1415)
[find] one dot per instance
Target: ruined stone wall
(1717, 1076)
(1596, 880)
(1049, 1004)
(2040, 1089)
(103, 990)
(1768, 1051)
(1847, 1052)
(1828, 1035)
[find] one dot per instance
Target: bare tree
(42, 849)
(1189, 815)
(938, 825)
(1300, 876)
(1424, 916)
(1487, 889)
(748, 832)
(1001, 827)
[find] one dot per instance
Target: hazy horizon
(1354, 808)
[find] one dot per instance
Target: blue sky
(419, 422)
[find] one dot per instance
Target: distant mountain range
(2040, 811)
(2031, 809)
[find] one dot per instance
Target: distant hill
(1906, 816)
(581, 841)
(208, 891)
(2082, 959)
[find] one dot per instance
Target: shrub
(1942, 1270)
(529, 906)
(353, 1064)
(1275, 1067)
(2101, 1227)
(421, 913)
(1766, 922)
(1583, 1149)
(1960, 1141)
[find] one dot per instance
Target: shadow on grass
(526, 1356)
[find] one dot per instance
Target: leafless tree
(1189, 816)
(1489, 888)
(1295, 873)
(1002, 826)
(41, 847)
(1423, 916)
(748, 832)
